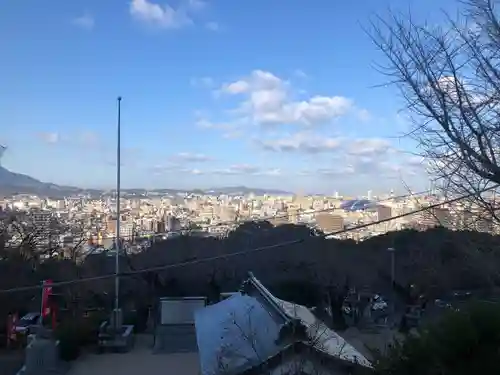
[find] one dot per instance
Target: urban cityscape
(205, 187)
(90, 224)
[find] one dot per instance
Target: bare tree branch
(449, 79)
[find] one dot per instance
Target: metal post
(118, 214)
(40, 322)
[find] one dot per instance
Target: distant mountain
(230, 190)
(8, 178)
(243, 190)
(17, 183)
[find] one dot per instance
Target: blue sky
(263, 93)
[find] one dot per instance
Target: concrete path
(137, 362)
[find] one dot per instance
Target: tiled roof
(253, 326)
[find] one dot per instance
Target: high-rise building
(383, 212)
(111, 225)
(127, 230)
(160, 226)
(172, 224)
(293, 214)
(329, 223)
(434, 217)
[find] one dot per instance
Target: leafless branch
(449, 79)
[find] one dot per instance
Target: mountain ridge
(12, 183)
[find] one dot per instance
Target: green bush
(461, 343)
(131, 318)
(69, 345)
(73, 334)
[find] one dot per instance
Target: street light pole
(118, 214)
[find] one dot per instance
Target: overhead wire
(254, 220)
(241, 222)
(233, 254)
(274, 217)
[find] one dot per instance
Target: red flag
(47, 291)
(11, 328)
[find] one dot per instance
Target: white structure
(253, 332)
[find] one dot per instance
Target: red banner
(47, 291)
(11, 328)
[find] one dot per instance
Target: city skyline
(205, 102)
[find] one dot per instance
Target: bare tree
(449, 78)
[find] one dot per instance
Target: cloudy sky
(263, 93)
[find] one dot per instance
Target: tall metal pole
(118, 214)
(42, 305)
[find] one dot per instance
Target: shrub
(69, 345)
(76, 333)
(464, 342)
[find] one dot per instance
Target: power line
(268, 218)
(274, 217)
(235, 254)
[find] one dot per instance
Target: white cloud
(196, 5)
(238, 87)
(269, 100)
(300, 73)
(374, 167)
(417, 161)
(49, 137)
(166, 168)
(369, 146)
(89, 138)
(194, 171)
(212, 26)
(191, 158)
(302, 142)
(364, 115)
(373, 157)
(204, 82)
(236, 169)
(205, 124)
(246, 169)
(165, 16)
(335, 171)
(86, 22)
(272, 172)
(230, 130)
(311, 143)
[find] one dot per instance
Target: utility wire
(274, 217)
(241, 222)
(235, 254)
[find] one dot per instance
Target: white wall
(180, 311)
